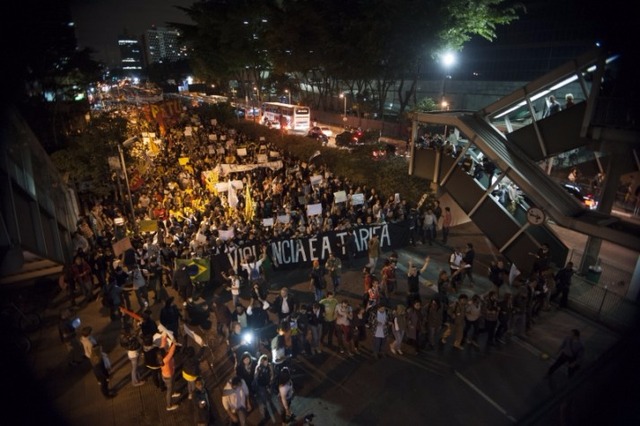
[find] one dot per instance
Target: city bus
(285, 116)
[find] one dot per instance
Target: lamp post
(448, 59)
(127, 144)
(289, 94)
(344, 113)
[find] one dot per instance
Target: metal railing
(602, 303)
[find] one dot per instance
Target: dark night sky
(100, 22)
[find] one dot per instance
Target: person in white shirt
(234, 285)
(235, 400)
(429, 227)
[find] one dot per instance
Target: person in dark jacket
(563, 282)
(100, 371)
(170, 318)
(148, 326)
(201, 404)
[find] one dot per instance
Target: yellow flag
(248, 202)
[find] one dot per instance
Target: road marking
(486, 397)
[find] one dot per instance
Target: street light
(448, 60)
(288, 93)
(344, 98)
(127, 144)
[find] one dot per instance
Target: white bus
(285, 116)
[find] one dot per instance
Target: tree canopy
(325, 47)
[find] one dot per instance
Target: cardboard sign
(121, 246)
(213, 137)
(148, 225)
(226, 235)
(340, 197)
(262, 158)
(314, 209)
(242, 152)
(315, 179)
(274, 154)
(267, 222)
(357, 199)
(285, 218)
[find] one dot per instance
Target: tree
(85, 159)
(374, 45)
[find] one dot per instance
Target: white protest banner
(314, 209)
(223, 137)
(242, 152)
(422, 200)
(235, 168)
(213, 137)
(188, 131)
(357, 199)
(162, 329)
(267, 222)
(262, 158)
(262, 139)
(214, 122)
(285, 218)
(193, 335)
(224, 186)
(226, 234)
(340, 197)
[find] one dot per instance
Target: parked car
(350, 138)
(327, 131)
(585, 198)
(317, 134)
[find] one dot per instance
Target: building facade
(163, 45)
(131, 55)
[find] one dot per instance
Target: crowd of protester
(264, 337)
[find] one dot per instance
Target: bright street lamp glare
(448, 59)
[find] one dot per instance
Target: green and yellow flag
(198, 269)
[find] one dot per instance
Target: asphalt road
(446, 386)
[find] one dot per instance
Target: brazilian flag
(198, 269)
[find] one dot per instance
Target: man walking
(571, 351)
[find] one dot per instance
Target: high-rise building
(163, 45)
(131, 54)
